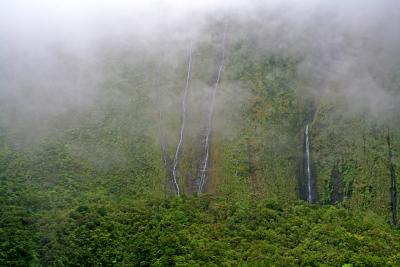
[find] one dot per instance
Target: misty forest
(199, 133)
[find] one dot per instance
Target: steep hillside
(235, 142)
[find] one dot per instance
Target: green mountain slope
(88, 186)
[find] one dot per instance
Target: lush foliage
(197, 231)
(89, 186)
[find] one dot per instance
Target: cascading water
(183, 120)
(308, 167)
(203, 171)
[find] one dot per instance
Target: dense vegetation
(197, 231)
(88, 187)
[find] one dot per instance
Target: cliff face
(263, 105)
(170, 133)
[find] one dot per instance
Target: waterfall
(183, 120)
(203, 171)
(308, 167)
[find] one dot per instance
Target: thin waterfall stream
(183, 120)
(307, 166)
(205, 163)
